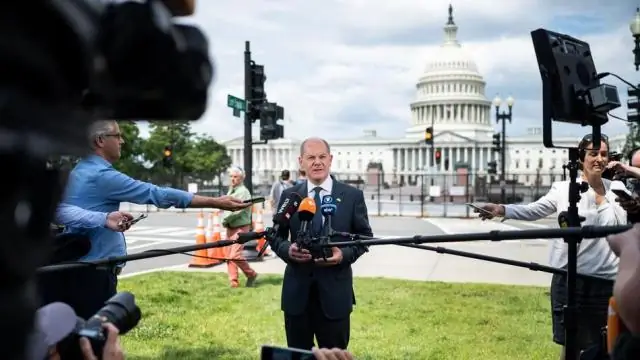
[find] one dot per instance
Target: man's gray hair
(236, 170)
(100, 128)
(314, 139)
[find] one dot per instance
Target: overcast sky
(341, 66)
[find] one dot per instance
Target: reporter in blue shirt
(95, 185)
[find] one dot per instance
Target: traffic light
(428, 136)
(493, 168)
(270, 113)
(167, 156)
(257, 94)
(633, 105)
(497, 145)
(438, 156)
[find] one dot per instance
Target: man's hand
(299, 255)
(491, 211)
(618, 167)
(117, 221)
(331, 354)
(335, 259)
(230, 203)
(631, 206)
(112, 349)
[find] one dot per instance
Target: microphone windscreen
(307, 209)
(287, 209)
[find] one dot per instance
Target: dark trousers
(592, 300)
(84, 289)
(329, 333)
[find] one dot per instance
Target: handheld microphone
(306, 212)
(328, 209)
(280, 218)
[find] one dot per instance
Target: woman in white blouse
(598, 205)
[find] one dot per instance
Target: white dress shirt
(327, 186)
(594, 255)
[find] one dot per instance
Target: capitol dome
(450, 94)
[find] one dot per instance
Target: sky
(339, 67)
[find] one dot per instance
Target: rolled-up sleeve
(120, 187)
(74, 216)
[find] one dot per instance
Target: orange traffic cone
(259, 226)
(200, 260)
(217, 253)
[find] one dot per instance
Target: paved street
(164, 230)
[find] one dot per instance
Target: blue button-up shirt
(75, 216)
(94, 184)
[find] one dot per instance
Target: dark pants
(84, 289)
(329, 333)
(592, 300)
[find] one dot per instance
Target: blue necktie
(316, 223)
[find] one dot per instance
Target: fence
(442, 195)
(416, 193)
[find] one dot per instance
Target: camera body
(120, 310)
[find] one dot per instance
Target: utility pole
(248, 122)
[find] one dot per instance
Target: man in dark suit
(317, 294)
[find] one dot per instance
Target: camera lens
(121, 310)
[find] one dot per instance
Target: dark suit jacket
(334, 283)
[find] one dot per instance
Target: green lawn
(197, 316)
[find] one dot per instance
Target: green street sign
(236, 103)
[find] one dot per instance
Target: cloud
(339, 67)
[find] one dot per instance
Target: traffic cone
(217, 253)
(200, 260)
(259, 226)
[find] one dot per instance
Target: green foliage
(206, 158)
(633, 139)
(131, 156)
(177, 134)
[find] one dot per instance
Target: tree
(131, 155)
(162, 134)
(207, 158)
(633, 139)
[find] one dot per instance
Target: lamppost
(503, 116)
(635, 31)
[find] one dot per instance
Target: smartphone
(622, 194)
(254, 200)
(278, 353)
(135, 220)
(479, 209)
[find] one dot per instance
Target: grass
(193, 316)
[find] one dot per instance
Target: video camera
(572, 93)
(121, 311)
(64, 65)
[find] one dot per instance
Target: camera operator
(627, 292)
(53, 328)
(595, 257)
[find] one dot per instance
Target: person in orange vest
(234, 223)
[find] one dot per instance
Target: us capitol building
(450, 96)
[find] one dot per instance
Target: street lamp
(503, 116)
(635, 31)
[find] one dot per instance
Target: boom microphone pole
(144, 255)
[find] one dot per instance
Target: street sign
(236, 103)
(236, 113)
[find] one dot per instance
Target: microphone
(306, 212)
(328, 209)
(280, 218)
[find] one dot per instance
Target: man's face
(111, 143)
(316, 160)
(236, 179)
